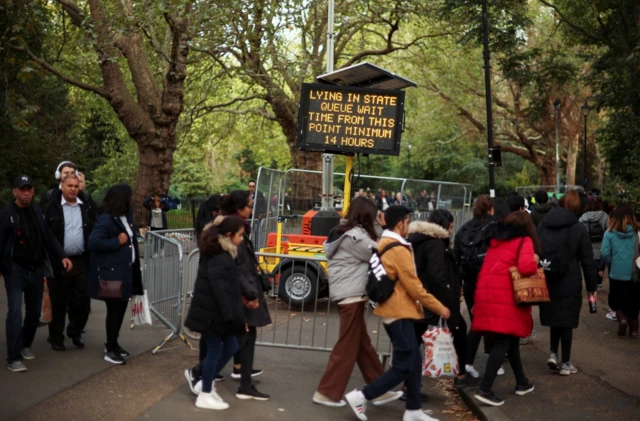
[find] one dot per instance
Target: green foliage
(120, 166)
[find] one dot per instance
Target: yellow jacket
(408, 294)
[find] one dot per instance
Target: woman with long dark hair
(495, 313)
(618, 251)
(437, 269)
(207, 212)
(114, 269)
(562, 314)
(216, 310)
(348, 249)
(469, 260)
(239, 204)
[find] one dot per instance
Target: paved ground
(79, 385)
(606, 386)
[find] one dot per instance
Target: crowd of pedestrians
(87, 251)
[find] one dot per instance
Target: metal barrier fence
(163, 276)
(311, 323)
(526, 191)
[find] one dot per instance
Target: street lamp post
(486, 53)
(585, 109)
(556, 105)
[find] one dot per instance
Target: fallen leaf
(375, 332)
(306, 319)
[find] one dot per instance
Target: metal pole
(556, 105)
(327, 159)
(486, 53)
(585, 152)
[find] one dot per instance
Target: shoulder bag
(531, 290)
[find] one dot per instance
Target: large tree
(275, 46)
(134, 55)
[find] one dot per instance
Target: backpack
(379, 286)
(473, 248)
(596, 232)
(555, 251)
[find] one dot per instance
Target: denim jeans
(406, 365)
(220, 349)
(30, 284)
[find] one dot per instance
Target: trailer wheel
(298, 285)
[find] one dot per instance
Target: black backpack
(473, 248)
(379, 286)
(596, 232)
(555, 251)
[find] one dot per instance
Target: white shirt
(73, 233)
(131, 238)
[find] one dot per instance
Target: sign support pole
(327, 159)
(346, 200)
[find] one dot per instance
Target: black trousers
(196, 371)
(501, 345)
(472, 338)
(562, 335)
(245, 356)
(625, 295)
(115, 315)
(68, 292)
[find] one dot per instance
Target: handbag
(531, 290)
(262, 275)
(110, 289)
(635, 270)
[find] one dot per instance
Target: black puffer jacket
(539, 212)
(217, 298)
(436, 269)
(566, 293)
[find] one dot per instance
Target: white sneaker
(211, 401)
(552, 362)
(524, 341)
(197, 388)
(417, 415)
(501, 371)
(472, 371)
(358, 403)
(568, 368)
(386, 398)
(611, 315)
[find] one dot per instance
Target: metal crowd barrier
(313, 325)
(162, 276)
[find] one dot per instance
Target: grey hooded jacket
(348, 257)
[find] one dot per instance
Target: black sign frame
(303, 119)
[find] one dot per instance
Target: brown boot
(622, 323)
(633, 329)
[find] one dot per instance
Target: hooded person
(542, 207)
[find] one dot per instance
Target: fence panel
(162, 276)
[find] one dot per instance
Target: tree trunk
(548, 172)
(572, 160)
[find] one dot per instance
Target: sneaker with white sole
(552, 362)
(501, 371)
(321, 399)
(211, 401)
(611, 315)
(358, 403)
(523, 389)
(251, 393)
(417, 415)
(16, 366)
(27, 354)
(386, 398)
(235, 373)
(192, 381)
(472, 371)
(489, 398)
(568, 368)
(114, 357)
(524, 341)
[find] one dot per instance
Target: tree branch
(103, 92)
(575, 26)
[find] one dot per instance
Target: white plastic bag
(140, 313)
(440, 358)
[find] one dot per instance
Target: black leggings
(501, 345)
(564, 335)
(625, 296)
(115, 316)
(245, 356)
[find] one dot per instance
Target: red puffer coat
(495, 309)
